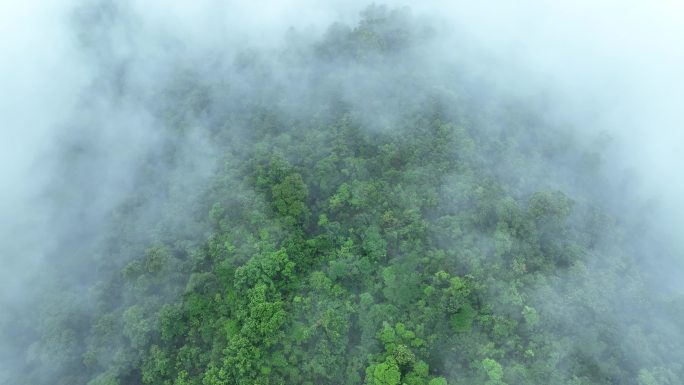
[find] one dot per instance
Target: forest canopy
(347, 208)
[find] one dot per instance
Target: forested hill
(346, 210)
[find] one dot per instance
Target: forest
(343, 209)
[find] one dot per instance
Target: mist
(140, 137)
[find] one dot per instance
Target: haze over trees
(349, 208)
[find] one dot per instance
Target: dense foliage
(368, 219)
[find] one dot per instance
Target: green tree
(386, 373)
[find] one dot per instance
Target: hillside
(345, 209)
